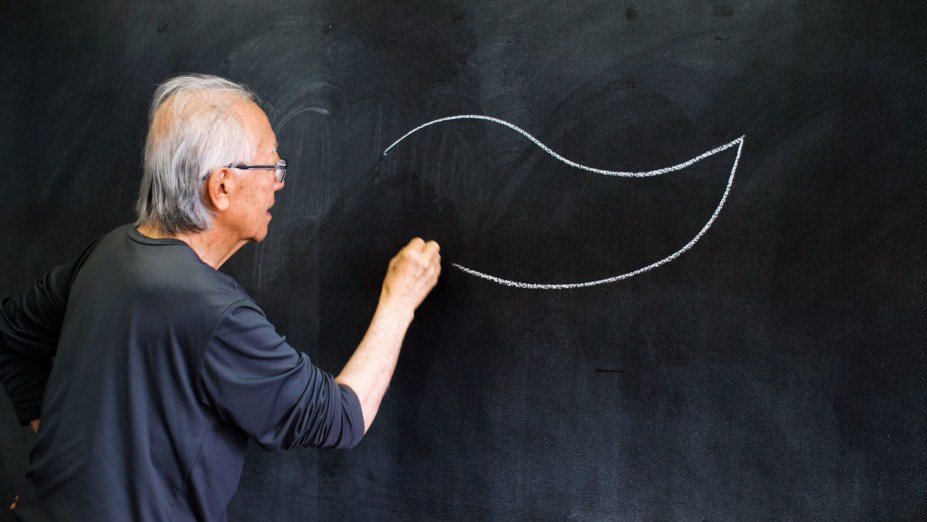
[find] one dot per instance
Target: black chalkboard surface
(775, 370)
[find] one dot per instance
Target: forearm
(30, 324)
(410, 277)
(24, 382)
(371, 368)
(23, 377)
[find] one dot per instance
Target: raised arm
(411, 276)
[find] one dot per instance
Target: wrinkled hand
(412, 274)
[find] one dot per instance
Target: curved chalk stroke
(739, 142)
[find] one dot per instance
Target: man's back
(136, 415)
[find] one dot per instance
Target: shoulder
(164, 277)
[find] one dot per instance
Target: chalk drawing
(739, 142)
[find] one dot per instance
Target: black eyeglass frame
(280, 168)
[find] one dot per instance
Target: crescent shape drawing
(739, 143)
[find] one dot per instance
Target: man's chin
(260, 236)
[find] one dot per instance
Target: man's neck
(212, 246)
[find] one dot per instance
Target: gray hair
(198, 133)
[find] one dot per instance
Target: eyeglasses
(280, 169)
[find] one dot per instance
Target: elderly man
(149, 368)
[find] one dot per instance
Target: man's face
(256, 188)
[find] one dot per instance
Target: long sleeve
(258, 382)
(30, 324)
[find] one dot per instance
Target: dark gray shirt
(150, 370)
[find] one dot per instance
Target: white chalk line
(545, 148)
(567, 286)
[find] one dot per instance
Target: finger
(426, 253)
(432, 247)
(421, 245)
(416, 243)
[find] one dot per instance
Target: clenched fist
(412, 274)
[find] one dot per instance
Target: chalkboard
(774, 370)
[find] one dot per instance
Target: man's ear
(219, 188)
